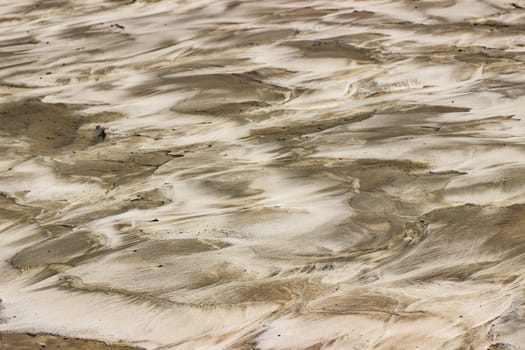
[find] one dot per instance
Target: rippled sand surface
(262, 174)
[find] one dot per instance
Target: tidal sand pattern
(211, 174)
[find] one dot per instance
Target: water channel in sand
(262, 174)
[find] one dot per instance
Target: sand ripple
(262, 175)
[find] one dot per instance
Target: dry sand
(262, 174)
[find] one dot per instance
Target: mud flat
(262, 175)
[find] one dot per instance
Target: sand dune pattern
(262, 174)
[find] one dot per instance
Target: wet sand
(28, 341)
(262, 175)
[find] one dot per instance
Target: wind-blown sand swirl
(262, 174)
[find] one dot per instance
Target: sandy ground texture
(262, 174)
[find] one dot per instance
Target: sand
(29, 341)
(262, 175)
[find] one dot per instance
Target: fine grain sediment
(262, 175)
